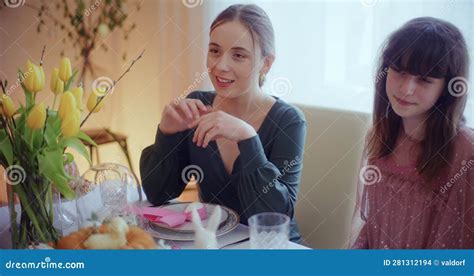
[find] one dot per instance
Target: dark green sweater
(265, 176)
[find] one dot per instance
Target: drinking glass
(269, 231)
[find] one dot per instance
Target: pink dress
(395, 210)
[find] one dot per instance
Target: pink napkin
(155, 211)
(166, 216)
(201, 212)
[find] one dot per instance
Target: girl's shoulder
(465, 141)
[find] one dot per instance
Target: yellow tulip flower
(37, 117)
(67, 104)
(7, 107)
(92, 101)
(78, 93)
(65, 71)
(34, 77)
(57, 85)
(70, 124)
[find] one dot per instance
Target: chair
(333, 150)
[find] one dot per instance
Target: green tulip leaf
(76, 144)
(84, 137)
(6, 148)
(53, 131)
(70, 80)
(52, 167)
(68, 158)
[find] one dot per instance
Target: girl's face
(412, 96)
(234, 60)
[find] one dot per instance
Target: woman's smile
(223, 82)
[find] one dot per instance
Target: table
(230, 239)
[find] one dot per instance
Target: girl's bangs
(418, 53)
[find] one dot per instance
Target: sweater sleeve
(271, 184)
(161, 165)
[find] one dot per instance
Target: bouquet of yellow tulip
(33, 141)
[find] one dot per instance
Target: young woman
(242, 139)
(417, 190)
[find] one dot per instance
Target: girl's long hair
(427, 47)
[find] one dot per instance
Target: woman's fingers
(194, 109)
(202, 129)
(210, 135)
(197, 133)
(199, 120)
(175, 115)
(182, 115)
(172, 121)
(183, 106)
(201, 106)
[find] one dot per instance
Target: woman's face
(412, 96)
(233, 60)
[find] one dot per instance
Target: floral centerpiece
(34, 138)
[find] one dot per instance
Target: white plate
(187, 227)
(232, 221)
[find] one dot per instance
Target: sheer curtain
(327, 50)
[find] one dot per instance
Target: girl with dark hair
(248, 144)
(416, 189)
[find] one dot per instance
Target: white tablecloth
(232, 240)
(238, 234)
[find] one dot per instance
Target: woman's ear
(267, 63)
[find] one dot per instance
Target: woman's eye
(239, 56)
(213, 51)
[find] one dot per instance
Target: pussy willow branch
(54, 19)
(42, 55)
(111, 87)
(8, 131)
(4, 86)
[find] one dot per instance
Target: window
(327, 50)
